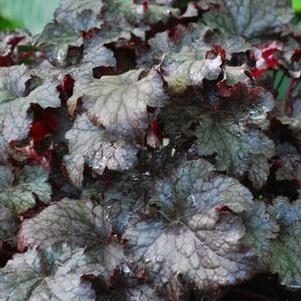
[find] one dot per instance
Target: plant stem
(289, 97)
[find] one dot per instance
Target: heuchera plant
(145, 153)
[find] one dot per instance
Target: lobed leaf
(93, 146)
(261, 230)
(188, 236)
(79, 223)
(30, 184)
(248, 18)
(8, 225)
(188, 68)
(53, 274)
(119, 103)
(15, 100)
(285, 259)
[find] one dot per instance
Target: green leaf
(30, 183)
(286, 248)
(54, 274)
(31, 14)
(248, 18)
(8, 225)
(273, 234)
(261, 229)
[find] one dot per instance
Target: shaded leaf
(124, 198)
(30, 183)
(294, 123)
(290, 168)
(8, 226)
(143, 293)
(248, 18)
(285, 251)
(261, 230)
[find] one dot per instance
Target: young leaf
(187, 235)
(189, 67)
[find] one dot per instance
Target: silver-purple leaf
(187, 235)
(91, 145)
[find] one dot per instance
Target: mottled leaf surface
(80, 223)
(249, 18)
(286, 248)
(119, 102)
(189, 67)
(187, 235)
(83, 15)
(228, 134)
(290, 168)
(53, 274)
(15, 100)
(261, 230)
(91, 145)
(132, 17)
(8, 225)
(57, 39)
(29, 184)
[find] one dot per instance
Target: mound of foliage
(145, 153)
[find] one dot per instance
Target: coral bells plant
(146, 152)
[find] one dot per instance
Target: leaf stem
(280, 81)
(289, 97)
